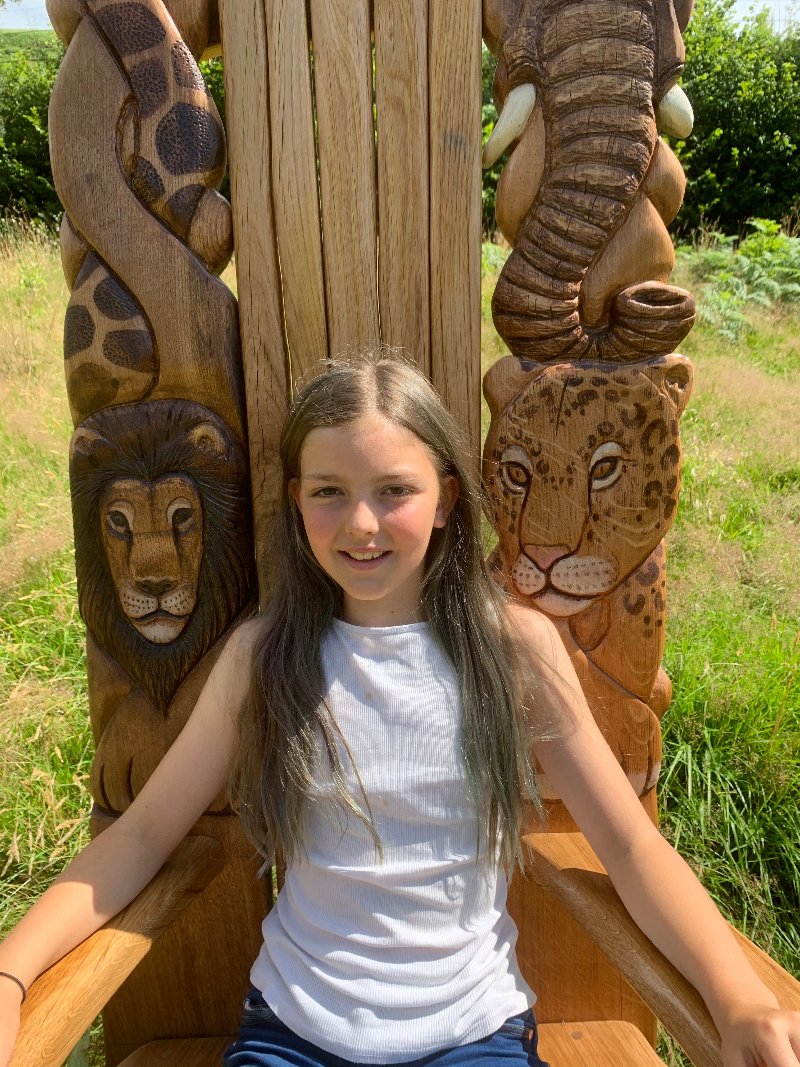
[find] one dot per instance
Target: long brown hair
(466, 610)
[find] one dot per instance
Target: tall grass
(730, 792)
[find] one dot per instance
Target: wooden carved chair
(353, 134)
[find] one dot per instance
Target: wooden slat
(346, 136)
(258, 277)
(571, 976)
(401, 93)
(566, 866)
(294, 183)
(455, 214)
(64, 1001)
(601, 1044)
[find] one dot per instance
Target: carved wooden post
(582, 460)
(160, 484)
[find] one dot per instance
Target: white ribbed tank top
(387, 960)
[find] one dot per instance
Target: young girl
(378, 724)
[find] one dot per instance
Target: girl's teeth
(364, 555)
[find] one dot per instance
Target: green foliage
(26, 81)
(741, 159)
(488, 119)
(762, 270)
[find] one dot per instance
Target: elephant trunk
(594, 64)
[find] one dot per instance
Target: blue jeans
(264, 1041)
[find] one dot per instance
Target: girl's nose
(362, 519)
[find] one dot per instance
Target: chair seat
(601, 1044)
(183, 1052)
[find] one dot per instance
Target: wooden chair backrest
(353, 131)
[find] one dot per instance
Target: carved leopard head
(582, 469)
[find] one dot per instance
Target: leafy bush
(26, 81)
(741, 159)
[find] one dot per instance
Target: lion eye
(118, 521)
(606, 465)
(180, 514)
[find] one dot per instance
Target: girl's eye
(398, 490)
(325, 491)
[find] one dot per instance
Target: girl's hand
(762, 1037)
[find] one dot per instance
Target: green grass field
(731, 787)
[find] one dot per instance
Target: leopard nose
(154, 587)
(544, 556)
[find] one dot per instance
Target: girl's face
(370, 496)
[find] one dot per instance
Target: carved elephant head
(600, 70)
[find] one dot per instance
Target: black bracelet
(13, 978)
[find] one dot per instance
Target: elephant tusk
(513, 119)
(674, 115)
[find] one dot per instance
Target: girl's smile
(370, 495)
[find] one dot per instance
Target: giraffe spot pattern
(131, 28)
(187, 73)
(189, 139)
(91, 387)
(114, 301)
(78, 330)
(146, 181)
(182, 205)
(132, 349)
(149, 82)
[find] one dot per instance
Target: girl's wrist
(12, 988)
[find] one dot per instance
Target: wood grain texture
(64, 1001)
(601, 1044)
(188, 1052)
(346, 144)
(401, 92)
(295, 184)
(264, 352)
(204, 957)
(566, 867)
(454, 75)
(191, 313)
(572, 978)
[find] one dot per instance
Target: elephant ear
(506, 379)
(674, 376)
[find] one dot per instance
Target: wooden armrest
(63, 1002)
(565, 866)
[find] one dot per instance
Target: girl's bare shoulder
(535, 632)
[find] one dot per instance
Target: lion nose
(545, 556)
(153, 587)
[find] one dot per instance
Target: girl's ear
(448, 495)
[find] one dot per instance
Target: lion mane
(146, 442)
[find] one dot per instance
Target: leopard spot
(671, 457)
(647, 574)
(78, 330)
(633, 607)
(130, 28)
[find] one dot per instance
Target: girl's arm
(116, 865)
(656, 886)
